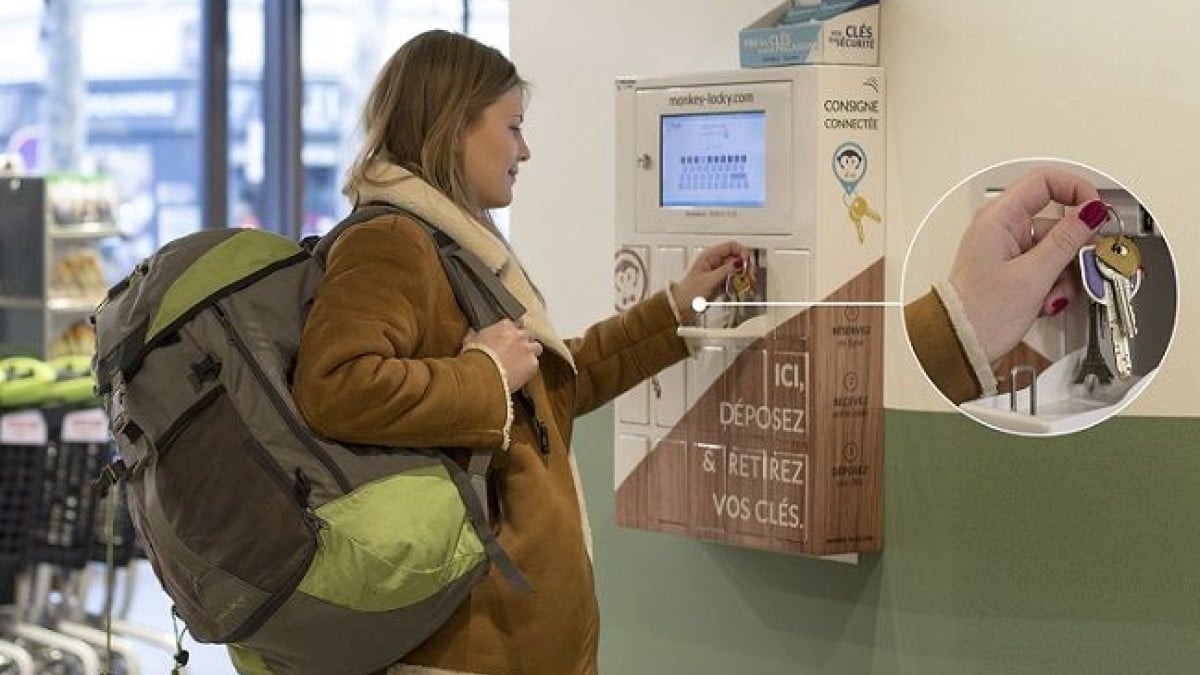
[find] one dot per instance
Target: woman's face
(493, 147)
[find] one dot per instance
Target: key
(1122, 257)
(1119, 253)
(743, 284)
(1103, 291)
(1090, 276)
(859, 208)
(1093, 370)
(1093, 280)
(1118, 339)
(1122, 297)
(740, 287)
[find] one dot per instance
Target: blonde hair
(429, 92)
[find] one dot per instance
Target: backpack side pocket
(222, 519)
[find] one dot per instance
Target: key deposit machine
(770, 436)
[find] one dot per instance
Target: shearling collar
(400, 187)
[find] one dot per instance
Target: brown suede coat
(381, 362)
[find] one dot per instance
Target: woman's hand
(1011, 267)
(706, 277)
(517, 351)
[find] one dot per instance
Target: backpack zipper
(302, 488)
(280, 405)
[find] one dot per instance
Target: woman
(387, 357)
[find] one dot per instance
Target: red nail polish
(739, 264)
(1058, 306)
(1093, 213)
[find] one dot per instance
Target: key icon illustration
(859, 208)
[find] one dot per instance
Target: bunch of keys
(740, 287)
(1111, 271)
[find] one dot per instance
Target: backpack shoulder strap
(479, 293)
(319, 246)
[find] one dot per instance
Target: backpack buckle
(205, 370)
(109, 476)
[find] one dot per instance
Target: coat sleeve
(368, 371)
(614, 355)
(938, 349)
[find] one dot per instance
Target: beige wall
(572, 51)
(969, 83)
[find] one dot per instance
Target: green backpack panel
(305, 555)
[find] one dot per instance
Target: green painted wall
(1003, 554)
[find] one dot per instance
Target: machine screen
(714, 159)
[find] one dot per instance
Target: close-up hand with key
(1011, 267)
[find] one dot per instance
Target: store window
(108, 93)
(79, 97)
(142, 123)
(344, 46)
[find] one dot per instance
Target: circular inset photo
(1040, 296)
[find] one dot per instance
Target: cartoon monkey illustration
(850, 165)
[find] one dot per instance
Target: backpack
(306, 556)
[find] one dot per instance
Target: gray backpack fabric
(306, 556)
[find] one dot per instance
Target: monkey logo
(629, 279)
(849, 166)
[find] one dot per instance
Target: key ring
(1113, 215)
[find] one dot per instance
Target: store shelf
(72, 305)
(52, 255)
(83, 231)
(17, 302)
